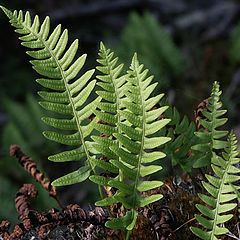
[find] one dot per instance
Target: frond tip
(112, 84)
(210, 136)
(221, 193)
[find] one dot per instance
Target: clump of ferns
(124, 103)
(133, 123)
(133, 128)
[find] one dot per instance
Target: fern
(181, 131)
(55, 63)
(126, 107)
(112, 84)
(133, 127)
(221, 191)
(209, 134)
(137, 124)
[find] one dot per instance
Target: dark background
(186, 44)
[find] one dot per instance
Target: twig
(30, 166)
(22, 198)
(190, 220)
(46, 221)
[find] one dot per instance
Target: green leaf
(200, 233)
(132, 146)
(147, 170)
(134, 219)
(72, 155)
(142, 202)
(105, 165)
(150, 143)
(124, 187)
(148, 185)
(156, 126)
(77, 176)
(106, 201)
(64, 124)
(205, 223)
(123, 222)
(72, 140)
(152, 156)
(100, 180)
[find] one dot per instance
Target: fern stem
(143, 133)
(102, 197)
(128, 235)
(100, 191)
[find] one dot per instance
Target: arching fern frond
(221, 191)
(112, 93)
(60, 73)
(138, 124)
(209, 134)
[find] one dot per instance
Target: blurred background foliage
(155, 47)
(186, 44)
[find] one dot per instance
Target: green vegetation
(133, 127)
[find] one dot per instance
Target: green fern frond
(60, 73)
(137, 126)
(112, 84)
(181, 131)
(221, 191)
(210, 135)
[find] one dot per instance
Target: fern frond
(221, 191)
(70, 92)
(181, 131)
(137, 127)
(112, 84)
(210, 135)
